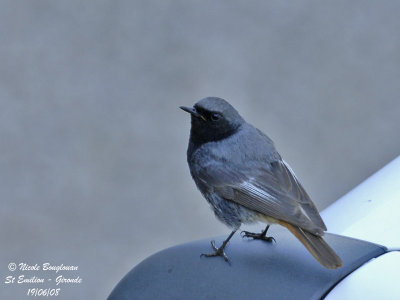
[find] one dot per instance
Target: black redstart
(238, 170)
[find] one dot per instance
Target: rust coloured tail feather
(316, 245)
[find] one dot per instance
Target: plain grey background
(93, 146)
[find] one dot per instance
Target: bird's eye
(216, 116)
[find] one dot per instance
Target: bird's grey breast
(248, 145)
(247, 148)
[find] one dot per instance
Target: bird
(242, 176)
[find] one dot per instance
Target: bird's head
(213, 119)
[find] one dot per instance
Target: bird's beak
(193, 112)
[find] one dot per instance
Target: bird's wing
(272, 190)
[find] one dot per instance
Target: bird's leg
(258, 236)
(220, 251)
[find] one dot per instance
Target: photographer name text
(43, 276)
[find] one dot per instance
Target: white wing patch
(256, 191)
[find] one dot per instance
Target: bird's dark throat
(203, 135)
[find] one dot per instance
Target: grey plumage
(238, 170)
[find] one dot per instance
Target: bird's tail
(315, 244)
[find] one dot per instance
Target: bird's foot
(218, 252)
(258, 236)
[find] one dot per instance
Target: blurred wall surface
(93, 166)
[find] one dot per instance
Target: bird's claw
(257, 236)
(218, 252)
(213, 246)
